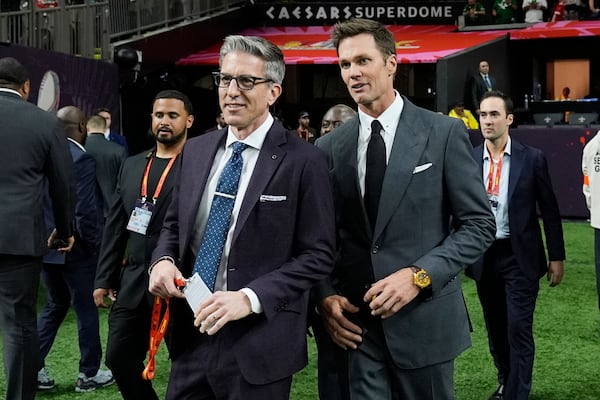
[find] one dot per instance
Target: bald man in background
(69, 277)
(335, 116)
(332, 361)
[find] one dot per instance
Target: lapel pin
(274, 157)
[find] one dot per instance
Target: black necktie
(375, 172)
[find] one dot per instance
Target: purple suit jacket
(280, 249)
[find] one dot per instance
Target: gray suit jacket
(433, 214)
(34, 147)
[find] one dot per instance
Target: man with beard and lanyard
(133, 223)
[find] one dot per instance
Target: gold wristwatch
(421, 278)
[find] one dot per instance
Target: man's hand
(100, 295)
(388, 295)
(220, 308)
(63, 248)
(162, 280)
(556, 272)
(343, 332)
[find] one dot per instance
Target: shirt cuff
(168, 258)
(254, 301)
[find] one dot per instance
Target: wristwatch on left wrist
(421, 278)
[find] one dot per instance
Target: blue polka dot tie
(217, 226)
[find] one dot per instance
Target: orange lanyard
(161, 182)
(303, 134)
(493, 186)
(158, 328)
(157, 332)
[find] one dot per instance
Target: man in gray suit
(33, 150)
(412, 214)
(108, 156)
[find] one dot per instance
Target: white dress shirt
(501, 211)
(389, 121)
(250, 155)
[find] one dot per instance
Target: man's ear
(274, 93)
(189, 122)
(24, 90)
(509, 119)
(392, 64)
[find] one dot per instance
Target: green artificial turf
(567, 364)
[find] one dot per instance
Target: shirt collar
(256, 138)
(76, 144)
(389, 118)
(507, 149)
(7, 90)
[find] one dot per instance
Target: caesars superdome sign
(300, 13)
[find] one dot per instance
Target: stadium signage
(443, 12)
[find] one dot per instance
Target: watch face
(422, 279)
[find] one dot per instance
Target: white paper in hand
(196, 291)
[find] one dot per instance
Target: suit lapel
(346, 150)
(345, 154)
(164, 194)
(409, 144)
(201, 161)
(478, 152)
(270, 157)
(516, 166)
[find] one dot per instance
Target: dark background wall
(455, 72)
(83, 82)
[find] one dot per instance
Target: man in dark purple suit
(247, 338)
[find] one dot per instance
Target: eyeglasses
(244, 82)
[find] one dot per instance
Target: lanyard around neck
(161, 182)
(493, 186)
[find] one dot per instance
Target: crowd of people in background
(192, 215)
(481, 12)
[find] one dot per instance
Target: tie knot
(238, 147)
(376, 127)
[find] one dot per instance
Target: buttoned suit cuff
(254, 301)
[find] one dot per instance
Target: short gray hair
(259, 47)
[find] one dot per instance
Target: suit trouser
(374, 375)
(508, 300)
(208, 370)
(19, 283)
(66, 284)
(128, 343)
(332, 364)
